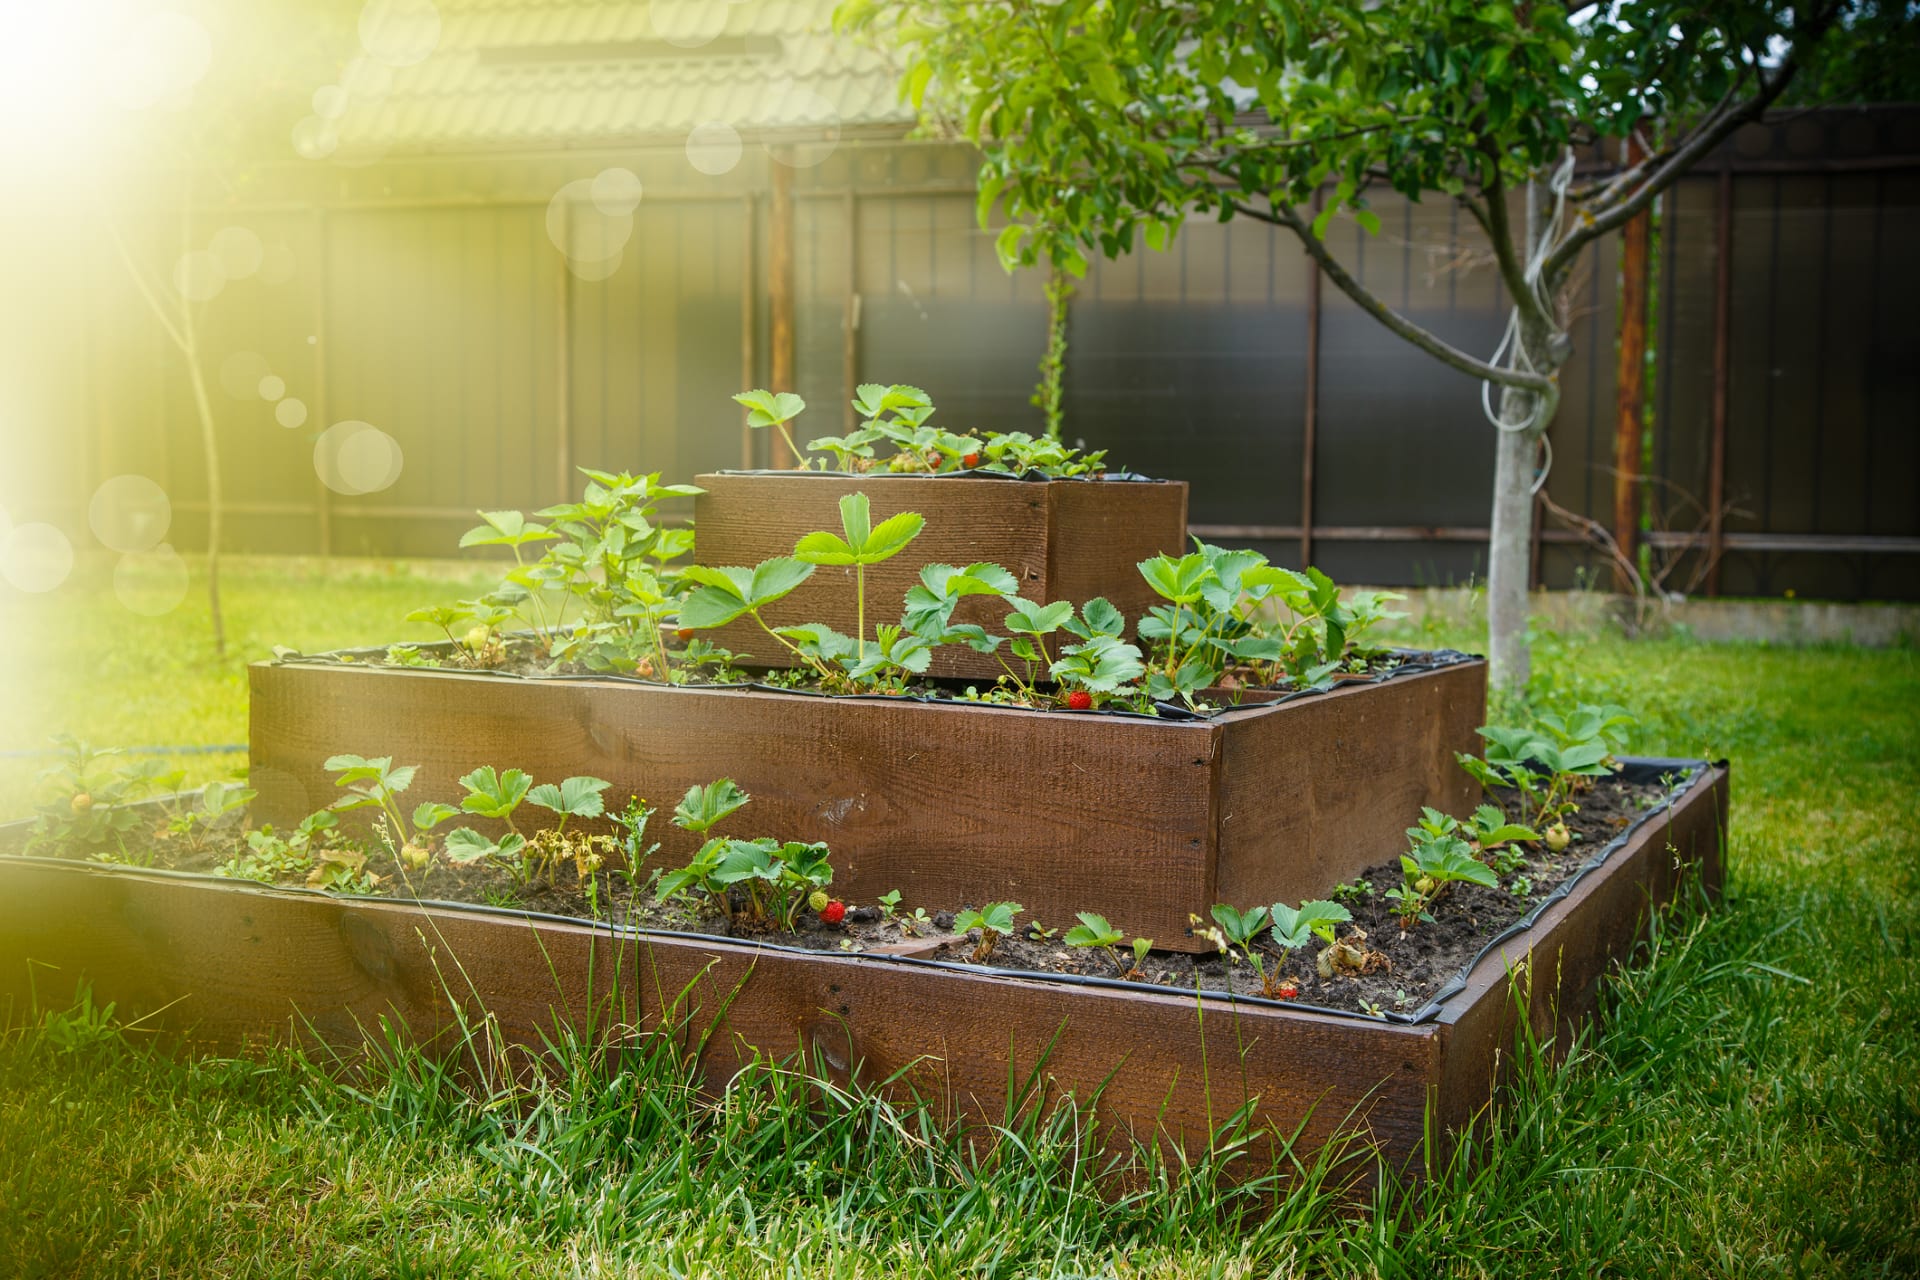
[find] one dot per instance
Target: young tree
(1101, 119)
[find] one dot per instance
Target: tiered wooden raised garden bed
(1140, 819)
(1063, 539)
(235, 966)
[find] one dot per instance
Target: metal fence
(434, 303)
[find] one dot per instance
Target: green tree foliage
(1104, 122)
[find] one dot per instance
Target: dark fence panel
(435, 305)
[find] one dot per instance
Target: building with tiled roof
(520, 74)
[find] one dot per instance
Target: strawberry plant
(1434, 862)
(994, 921)
(768, 409)
(1094, 932)
(1547, 768)
(776, 878)
(865, 544)
(271, 857)
(91, 809)
(1294, 929)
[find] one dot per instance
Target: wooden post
(1310, 431)
(780, 295)
(850, 349)
(1722, 355)
(563, 357)
(322, 496)
(749, 375)
(1630, 383)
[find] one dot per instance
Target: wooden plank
(1325, 787)
(237, 966)
(1097, 535)
(950, 805)
(1067, 539)
(1552, 973)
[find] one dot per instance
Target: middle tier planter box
(1063, 539)
(1143, 820)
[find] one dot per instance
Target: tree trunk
(1510, 546)
(1510, 550)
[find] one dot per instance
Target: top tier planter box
(1063, 539)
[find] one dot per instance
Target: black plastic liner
(1123, 477)
(1410, 662)
(1635, 769)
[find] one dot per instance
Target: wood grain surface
(1146, 822)
(1317, 790)
(236, 966)
(1063, 539)
(1552, 973)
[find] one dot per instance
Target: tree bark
(1510, 544)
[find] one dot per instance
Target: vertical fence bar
(1630, 382)
(322, 281)
(1722, 358)
(850, 348)
(1310, 434)
(749, 376)
(563, 357)
(780, 294)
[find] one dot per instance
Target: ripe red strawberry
(834, 912)
(1286, 990)
(971, 460)
(683, 635)
(1079, 700)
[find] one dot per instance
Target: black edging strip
(1029, 476)
(1411, 662)
(1637, 769)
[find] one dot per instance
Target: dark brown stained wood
(950, 805)
(1553, 971)
(239, 966)
(1325, 788)
(1147, 822)
(1063, 539)
(1630, 396)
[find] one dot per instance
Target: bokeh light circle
(239, 251)
(687, 24)
(198, 275)
(241, 372)
(400, 33)
(314, 138)
(366, 79)
(330, 102)
(805, 107)
(714, 148)
(129, 513)
(290, 413)
(151, 583)
(593, 240)
(35, 557)
(272, 387)
(615, 192)
(278, 264)
(354, 457)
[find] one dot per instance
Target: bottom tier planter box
(235, 967)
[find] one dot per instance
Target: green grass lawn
(1752, 1109)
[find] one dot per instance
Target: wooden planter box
(1142, 820)
(238, 966)
(1063, 539)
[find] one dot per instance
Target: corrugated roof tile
(489, 85)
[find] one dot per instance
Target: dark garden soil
(1404, 968)
(523, 659)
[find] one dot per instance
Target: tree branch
(1284, 216)
(140, 282)
(1500, 231)
(1713, 130)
